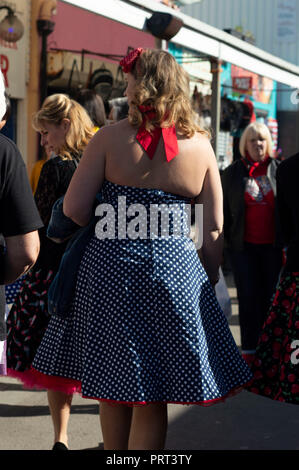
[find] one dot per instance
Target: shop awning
(198, 36)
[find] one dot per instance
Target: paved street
(245, 421)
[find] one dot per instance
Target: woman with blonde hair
(65, 129)
(251, 230)
(145, 328)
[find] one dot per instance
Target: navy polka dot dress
(145, 324)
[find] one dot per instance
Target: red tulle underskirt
(34, 379)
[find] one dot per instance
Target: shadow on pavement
(246, 421)
(15, 387)
(13, 411)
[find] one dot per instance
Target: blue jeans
(256, 272)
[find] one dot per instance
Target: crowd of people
(144, 327)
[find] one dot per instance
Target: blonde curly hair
(162, 84)
(57, 107)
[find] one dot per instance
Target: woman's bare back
(128, 164)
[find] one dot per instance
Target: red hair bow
(149, 140)
(128, 62)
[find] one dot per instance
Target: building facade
(15, 66)
(272, 26)
(88, 40)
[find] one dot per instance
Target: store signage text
(242, 83)
(4, 66)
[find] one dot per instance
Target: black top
(18, 212)
(53, 182)
(288, 208)
(233, 180)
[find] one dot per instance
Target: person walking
(275, 364)
(145, 328)
(19, 219)
(251, 230)
(65, 129)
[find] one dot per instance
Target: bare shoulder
(121, 129)
(120, 126)
(203, 142)
(200, 145)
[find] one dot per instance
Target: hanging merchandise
(250, 115)
(119, 84)
(102, 82)
(227, 114)
(236, 115)
(55, 64)
(74, 83)
(273, 127)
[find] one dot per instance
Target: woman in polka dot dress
(146, 328)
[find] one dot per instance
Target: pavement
(243, 422)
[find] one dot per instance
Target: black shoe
(59, 446)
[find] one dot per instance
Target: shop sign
(242, 85)
(260, 88)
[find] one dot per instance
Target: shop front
(14, 64)
(86, 52)
(245, 97)
(198, 67)
(90, 37)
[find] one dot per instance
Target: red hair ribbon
(149, 140)
(128, 62)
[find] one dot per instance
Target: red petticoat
(35, 379)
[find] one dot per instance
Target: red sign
(242, 84)
(4, 66)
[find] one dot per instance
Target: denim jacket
(62, 289)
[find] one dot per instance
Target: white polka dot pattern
(145, 324)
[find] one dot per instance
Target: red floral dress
(276, 363)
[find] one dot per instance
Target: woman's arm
(88, 178)
(212, 200)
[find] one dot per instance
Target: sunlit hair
(162, 84)
(57, 107)
(254, 130)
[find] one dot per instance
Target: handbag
(222, 295)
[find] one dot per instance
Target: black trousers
(256, 272)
